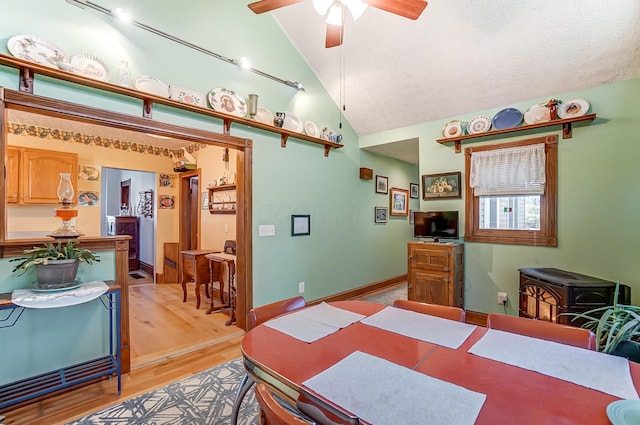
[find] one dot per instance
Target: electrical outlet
(502, 298)
(301, 287)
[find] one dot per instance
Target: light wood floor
(164, 334)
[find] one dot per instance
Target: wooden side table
(195, 268)
(217, 259)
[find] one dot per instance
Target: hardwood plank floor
(169, 341)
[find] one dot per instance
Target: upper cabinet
(33, 174)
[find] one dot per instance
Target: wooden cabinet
(33, 174)
(129, 225)
(222, 199)
(13, 174)
(435, 273)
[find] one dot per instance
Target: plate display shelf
(225, 207)
(565, 123)
(29, 69)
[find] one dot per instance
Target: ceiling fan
(334, 11)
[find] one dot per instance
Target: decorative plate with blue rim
(507, 118)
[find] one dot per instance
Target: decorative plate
(507, 118)
(573, 108)
(624, 412)
(479, 124)
(537, 113)
(292, 123)
(264, 116)
(188, 96)
(453, 128)
(311, 129)
(151, 85)
(34, 49)
(228, 102)
(90, 66)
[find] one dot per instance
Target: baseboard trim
(362, 290)
(147, 268)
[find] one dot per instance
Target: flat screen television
(435, 224)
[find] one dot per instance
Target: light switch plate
(267, 230)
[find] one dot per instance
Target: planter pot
(628, 349)
(58, 273)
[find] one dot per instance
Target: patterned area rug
(388, 296)
(202, 399)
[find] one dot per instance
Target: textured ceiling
(463, 56)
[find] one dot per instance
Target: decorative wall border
(104, 142)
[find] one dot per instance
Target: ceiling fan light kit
(334, 11)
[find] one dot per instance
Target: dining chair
(257, 316)
(444, 311)
(273, 412)
(556, 332)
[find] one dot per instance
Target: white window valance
(509, 171)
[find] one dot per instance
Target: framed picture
(166, 201)
(89, 198)
(441, 186)
(88, 172)
(382, 184)
(167, 180)
(204, 200)
(300, 225)
(399, 201)
(412, 216)
(414, 190)
(381, 214)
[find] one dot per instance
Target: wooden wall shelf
(29, 69)
(565, 123)
(222, 207)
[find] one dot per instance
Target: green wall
(345, 249)
(598, 196)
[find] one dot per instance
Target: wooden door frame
(183, 185)
(11, 99)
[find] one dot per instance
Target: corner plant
(617, 323)
(48, 252)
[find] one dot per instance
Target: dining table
(357, 362)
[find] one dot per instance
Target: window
(512, 192)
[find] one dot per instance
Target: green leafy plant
(611, 324)
(48, 252)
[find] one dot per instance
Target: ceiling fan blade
(269, 5)
(411, 9)
(334, 35)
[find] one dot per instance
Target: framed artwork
(382, 184)
(412, 216)
(89, 198)
(88, 172)
(414, 190)
(399, 201)
(300, 225)
(381, 214)
(204, 201)
(166, 180)
(166, 201)
(441, 186)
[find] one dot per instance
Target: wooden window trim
(547, 235)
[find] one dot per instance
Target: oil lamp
(66, 213)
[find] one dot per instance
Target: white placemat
(33, 299)
(315, 322)
(384, 393)
(591, 369)
(424, 327)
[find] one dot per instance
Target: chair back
(444, 311)
(263, 313)
(229, 247)
(556, 332)
(272, 412)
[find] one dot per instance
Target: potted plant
(617, 328)
(56, 265)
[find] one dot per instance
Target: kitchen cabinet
(33, 174)
(435, 273)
